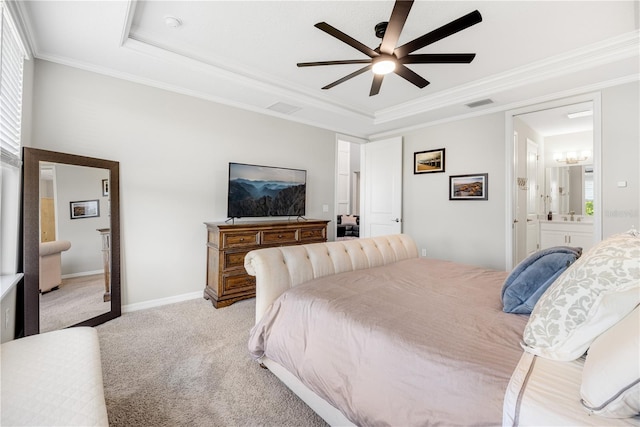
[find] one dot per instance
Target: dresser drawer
(237, 283)
(307, 234)
(229, 243)
(239, 239)
(279, 237)
(231, 260)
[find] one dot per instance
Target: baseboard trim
(160, 302)
(81, 274)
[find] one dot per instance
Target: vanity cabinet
(577, 234)
(227, 245)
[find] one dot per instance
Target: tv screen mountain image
(262, 191)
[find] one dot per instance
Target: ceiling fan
(388, 58)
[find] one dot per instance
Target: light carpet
(187, 364)
(76, 300)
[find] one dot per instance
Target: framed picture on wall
(105, 188)
(469, 187)
(85, 209)
(428, 161)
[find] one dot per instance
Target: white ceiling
(244, 53)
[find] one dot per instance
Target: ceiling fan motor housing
(381, 27)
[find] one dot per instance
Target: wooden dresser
(227, 244)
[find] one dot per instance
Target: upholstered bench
(53, 379)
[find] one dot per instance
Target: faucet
(572, 213)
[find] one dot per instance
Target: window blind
(12, 57)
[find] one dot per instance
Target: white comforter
(417, 342)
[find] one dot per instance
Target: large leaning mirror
(71, 240)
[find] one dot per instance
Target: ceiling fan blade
(446, 30)
(332, 31)
(349, 76)
(347, 61)
(394, 27)
(410, 76)
(375, 85)
(438, 58)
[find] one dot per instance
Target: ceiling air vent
(480, 103)
(283, 108)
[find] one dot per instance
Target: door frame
(512, 186)
(353, 140)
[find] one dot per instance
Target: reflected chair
(50, 264)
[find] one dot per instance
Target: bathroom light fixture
(571, 157)
(580, 114)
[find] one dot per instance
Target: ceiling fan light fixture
(385, 65)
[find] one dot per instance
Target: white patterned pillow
(594, 293)
(611, 374)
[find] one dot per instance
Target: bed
(368, 333)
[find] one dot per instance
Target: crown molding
(615, 49)
(277, 88)
(23, 27)
(128, 20)
(192, 93)
(514, 105)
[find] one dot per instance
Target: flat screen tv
(262, 191)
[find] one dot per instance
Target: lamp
(572, 157)
(384, 64)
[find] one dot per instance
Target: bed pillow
(611, 374)
(593, 294)
(531, 277)
(349, 220)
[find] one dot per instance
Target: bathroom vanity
(566, 233)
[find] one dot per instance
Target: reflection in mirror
(71, 240)
(569, 189)
(72, 272)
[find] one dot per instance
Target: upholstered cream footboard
(280, 268)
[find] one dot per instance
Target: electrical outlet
(7, 312)
(424, 252)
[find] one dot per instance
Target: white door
(382, 180)
(533, 243)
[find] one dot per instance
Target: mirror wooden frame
(31, 232)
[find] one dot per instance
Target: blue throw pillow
(528, 281)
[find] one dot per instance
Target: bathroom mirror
(71, 240)
(569, 189)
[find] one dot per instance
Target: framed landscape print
(428, 161)
(85, 209)
(469, 187)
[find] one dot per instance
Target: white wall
(471, 232)
(173, 152)
(620, 158)
(74, 184)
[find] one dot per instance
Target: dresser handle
(242, 239)
(279, 236)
